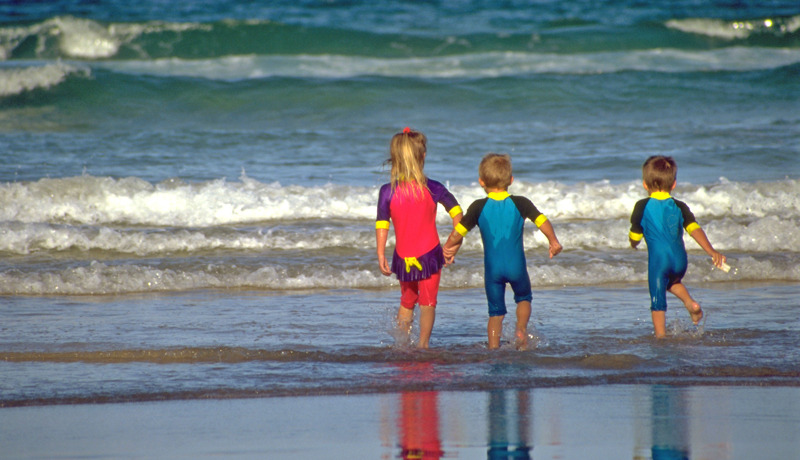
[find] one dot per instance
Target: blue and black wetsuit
(661, 220)
(501, 218)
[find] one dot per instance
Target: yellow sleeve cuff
(462, 230)
(636, 236)
(540, 220)
(384, 224)
(455, 210)
(692, 227)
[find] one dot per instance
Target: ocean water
(188, 192)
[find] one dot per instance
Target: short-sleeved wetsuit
(660, 220)
(418, 251)
(501, 218)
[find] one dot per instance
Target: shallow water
(219, 344)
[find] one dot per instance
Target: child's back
(661, 219)
(501, 218)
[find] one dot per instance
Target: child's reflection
(508, 425)
(669, 419)
(418, 422)
(419, 426)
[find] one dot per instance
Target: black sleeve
(470, 219)
(637, 215)
(526, 207)
(688, 217)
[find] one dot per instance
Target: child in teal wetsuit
(501, 218)
(661, 219)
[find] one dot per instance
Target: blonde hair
(495, 170)
(659, 173)
(407, 158)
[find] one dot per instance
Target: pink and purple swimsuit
(418, 252)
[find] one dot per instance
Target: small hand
(384, 266)
(718, 258)
(555, 249)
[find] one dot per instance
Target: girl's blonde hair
(407, 158)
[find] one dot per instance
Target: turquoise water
(187, 192)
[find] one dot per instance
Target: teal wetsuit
(501, 218)
(660, 220)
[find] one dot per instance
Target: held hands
(450, 249)
(449, 255)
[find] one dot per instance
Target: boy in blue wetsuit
(501, 218)
(661, 220)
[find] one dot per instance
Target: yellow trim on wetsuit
(462, 230)
(499, 196)
(412, 262)
(540, 220)
(635, 236)
(382, 224)
(692, 227)
(660, 195)
(455, 210)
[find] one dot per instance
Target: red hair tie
(406, 130)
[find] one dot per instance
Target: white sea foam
(737, 29)
(478, 65)
(133, 201)
(98, 278)
(104, 278)
(21, 238)
(96, 200)
(18, 79)
(81, 38)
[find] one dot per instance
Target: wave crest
(18, 80)
(737, 29)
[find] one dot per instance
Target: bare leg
(523, 316)
(495, 331)
(691, 306)
(659, 323)
(427, 316)
(405, 317)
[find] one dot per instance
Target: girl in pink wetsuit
(410, 201)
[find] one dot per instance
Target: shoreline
(228, 395)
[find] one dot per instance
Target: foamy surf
(19, 79)
(132, 201)
(471, 66)
(115, 236)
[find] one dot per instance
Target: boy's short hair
(495, 170)
(659, 173)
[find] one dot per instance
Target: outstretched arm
(700, 236)
(548, 231)
(381, 235)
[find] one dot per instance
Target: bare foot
(521, 340)
(695, 312)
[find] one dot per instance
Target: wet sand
(604, 421)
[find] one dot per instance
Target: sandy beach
(613, 422)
